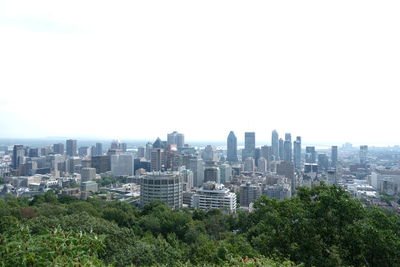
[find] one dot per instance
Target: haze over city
(327, 71)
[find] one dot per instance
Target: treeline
(322, 226)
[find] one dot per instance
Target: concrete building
(187, 180)
(278, 191)
(176, 138)
(122, 165)
(297, 153)
(262, 165)
(211, 172)
(249, 164)
(363, 154)
(386, 180)
(249, 150)
(214, 196)
(334, 156)
(225, 173)
(275, 145)
(101, 163)
(72, 148)
(157, 159)
(197, 167)
(209, 153)
(249, 193)
(311, 154)
(58, 149)
(164, 186)
(88, 174)
(18, 156)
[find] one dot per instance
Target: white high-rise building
(262, 165)
(249, 165)
(214, 196)
(122, 165)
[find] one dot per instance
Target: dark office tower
(99, 149)
(232, 147)
(33, 152)
(266, 152)
(287, 148)
(101, 163)
(18, 156)
(71, 148)
(275, 144)
(297, 153)
(158, 143)
(363, 154)
(281, 149)
(249, 145)
(334, 156)
(58, 148)
(311, 155)
(211, 172)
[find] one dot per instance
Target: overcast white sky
(326, 70)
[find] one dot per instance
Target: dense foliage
(322, 226)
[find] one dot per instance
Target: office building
(187, 180)
(197, 167)
(363, 154)
(18, 156)
(232, 147)
(157, 159)
(211, 172)
(122, 165)
(275, 144)
(281, 149)
(88, 174)
(311, 154)
(287, 148)
(249, 165)
(323, 162)
(262, 165)
(297, 153)
(249, 150)
(72, 148)
(58, 148)
(102, 164)
(99, 149)
(249, 193)
(176, 138)
(209, 153)
(278, 191)
(334, 156)
(225, 173)
(214, 196)
(164, 186)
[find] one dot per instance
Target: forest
(320, 226)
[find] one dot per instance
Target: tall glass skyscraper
(275, 144)
(232, 147)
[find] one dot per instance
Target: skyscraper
(297, 153)
(176, 138)
(311, 155)
(157, 159)
(232, 147)
(99, 149)
(275, 144)
(18, 156)
(58, 148)
(334, 156)
(287, 148)
(71, 148)
(249, 145)
(281, 149)
(363, 154)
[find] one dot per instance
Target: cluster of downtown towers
(280, 149)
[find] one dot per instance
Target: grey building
(164, 186)
(311, 154)
(58, 148)
(249, 145)
(297, 153)
(334, 156)
(71, 146)
(249, 193)
(275, 144)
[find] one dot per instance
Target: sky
(328, 71)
